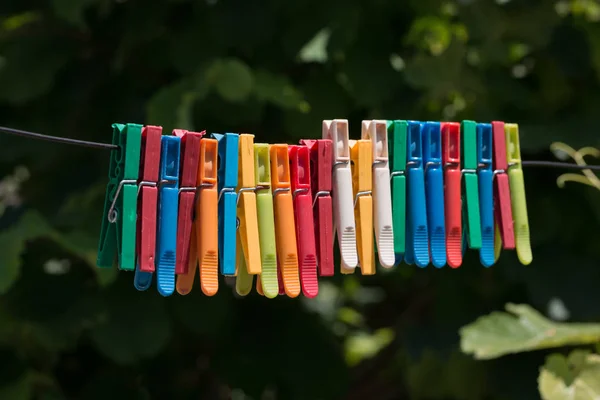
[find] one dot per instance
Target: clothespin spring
(112, 213)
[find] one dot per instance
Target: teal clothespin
(397, 131)
(471, 193)
(227, 182)
(118, 232)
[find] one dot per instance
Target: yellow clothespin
(248, 257)
(517, 194)
(361, 155)
(285, 226)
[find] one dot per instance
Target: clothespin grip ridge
(362, 161)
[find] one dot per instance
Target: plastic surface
(473, 217)
(185, 281)
(417, 246)
(452, 192)
(434, 189)
(397, 131)
(285, 226)
(517, 194)
(502, 206)
(376, 132)
(486, 193)
(343, 216)
(361, 154)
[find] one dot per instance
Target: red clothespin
(502, 204)
(452, 192)
(190, 153)
(148, 198)
(321, 156)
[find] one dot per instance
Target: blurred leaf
(521, 329)
(316, 49)
(171, 107)
(21, 389)
(574, 377)
(363, 345)
(277, 90)
(71, 11)
(232, 79)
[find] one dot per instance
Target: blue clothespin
(434, 187)
(417, 246)
(486, 193)
(227, 175)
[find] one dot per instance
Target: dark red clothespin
(303, 214)
(452, 192)
(502, 205)
(148, 197)
(190, 154)
(321, 156)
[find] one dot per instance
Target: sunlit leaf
(363, 345)
(576, 377)
(232, 79)
(316, 49)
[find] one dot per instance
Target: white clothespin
(376, 132)
(343, 203)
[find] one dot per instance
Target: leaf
(71, 11)
(277, 90)
(21, 389)
(574, 377)
(232, 79)
(316, 49)
(521, 329)
(171, 107)
(363, 345)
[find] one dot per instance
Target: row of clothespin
(407, 191)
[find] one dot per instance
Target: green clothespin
(473, 226)
(120, 204)
(397, 158)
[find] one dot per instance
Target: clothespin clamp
(266, 224)
(505, 236)
(417, 246)
(118, 232)
(361, 155)
(248, 256)
(452, 192)
(227, 182)
(285, 226)
(376, 132)
(434, 186)
(343, 216)
(473, 215)
(397, 156)
(305, 222)
(517, 194)
(486, 193)
(321, 153)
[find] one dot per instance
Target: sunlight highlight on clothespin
(452, 192)
(397, 131)
(486, 193)
(469, 157)
(361, 155)
(376, 132)
(517, 194)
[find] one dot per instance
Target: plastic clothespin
(167, 215)
(285, 226)
(190, 154)
(517, 194)
(266, 225)
(434, 187)
(473, 215)
(118, 232)
(485, 176)
(227, 182)
(343, 214)
(505, 236)
(376, 132)
(452, 192)
(321, 153)
(417, 246)
(361, 155)
(248, 256)
(397, 158)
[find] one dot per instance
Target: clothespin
(486, 193)
(167, 215)
(190, 154)
(502, 208)
(517, 194)
(248, 256)
(227, 182)
(397, 156)
(452, 192)
(285, 226)
(343, 216)
(303, 215)
(417, 246)
(434, 187)
(321, 153)
(473, 216)
(361, 155)
(118, 232)
(266, 224)
(376, 132)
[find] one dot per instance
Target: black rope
(109, 146)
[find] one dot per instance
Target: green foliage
(574, 377)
